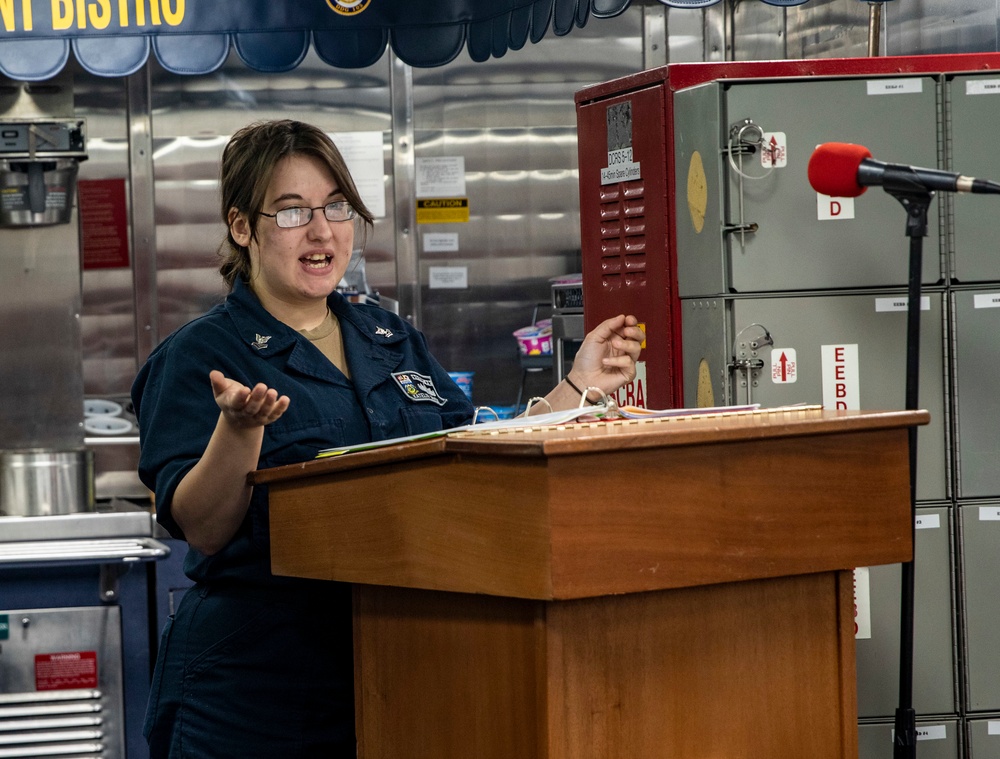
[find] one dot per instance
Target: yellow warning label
(442, 210)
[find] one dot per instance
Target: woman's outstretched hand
(243, 407)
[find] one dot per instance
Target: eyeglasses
(287, 218)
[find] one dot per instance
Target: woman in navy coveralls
(253, 665)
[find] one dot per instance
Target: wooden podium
(675, 589)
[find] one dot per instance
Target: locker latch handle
(748, 364)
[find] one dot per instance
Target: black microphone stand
(904, 185)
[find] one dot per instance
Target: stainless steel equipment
(61, 684)
(38, 166)
(44, 466)
(567, 320)
(75, 627)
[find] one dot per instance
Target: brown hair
(248, 163)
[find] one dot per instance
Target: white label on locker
(621, 167)
(986, 300)
(900, 303)
(862, 605)
(895, 86)
(989, 514)
(841, 388)
(993, 727)
(835, 209)
(932, 732)
(982, 87)
(774, 150)
(928, 522)
(928, 733)
(784, 367)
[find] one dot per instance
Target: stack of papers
(601, 411)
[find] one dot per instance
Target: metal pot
(46, 482)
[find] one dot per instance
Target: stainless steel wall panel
(828, 29)
(513, 121)
(655, 47)
(523, 229)
(481, 105)
(807, 323)
(406, 258)
(868, 250)
(757, 32)
(973, 104)
(979, 525)
(977, 353)
(530, 87)
(687, 36)
(935, 684)
(42, 402)
(936, 739)
(102, 103)
(839, 28)
(941, 26)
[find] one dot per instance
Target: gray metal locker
(798, 242)
(983, 738)
(699, 192)
(979, 568)
(936, 739)
(977, 382)
(706, 352)
(934, 667)
(973, 102)
(866, 334)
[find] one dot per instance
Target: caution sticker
(442, 210)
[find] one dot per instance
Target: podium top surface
(605, 436)
(588, 510)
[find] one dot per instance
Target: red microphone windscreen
(833, 169)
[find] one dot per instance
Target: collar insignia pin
(261, 342)
(383, 332)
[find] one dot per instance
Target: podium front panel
(741, 670)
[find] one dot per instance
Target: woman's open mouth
(316, 262)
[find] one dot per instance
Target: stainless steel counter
(110, 537)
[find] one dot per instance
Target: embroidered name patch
(418, 387)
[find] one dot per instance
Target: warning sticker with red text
(841, 386)
(784, 366)
(66, 671)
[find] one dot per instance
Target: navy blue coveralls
(253, 665)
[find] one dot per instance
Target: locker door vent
(52, 723)
(623, 235)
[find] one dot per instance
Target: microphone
(843, 170)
